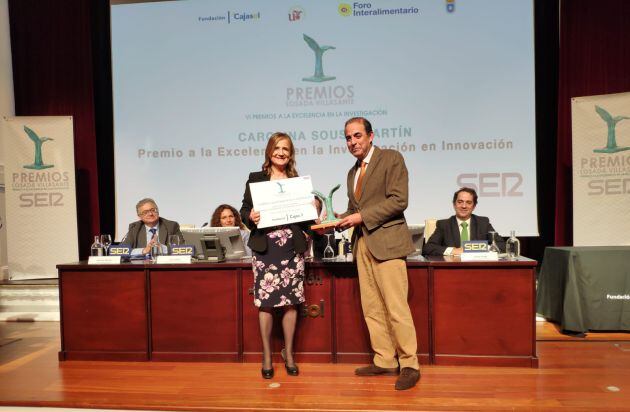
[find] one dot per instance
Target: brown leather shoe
(407, 379)
(373, 370)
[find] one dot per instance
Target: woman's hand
(254, 216)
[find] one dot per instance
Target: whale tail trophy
(611, 122)
(38, 162)
(318, 76)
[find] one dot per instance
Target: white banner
(40, 195)
(601, 169)
(3, 231)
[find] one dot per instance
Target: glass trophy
(330, 219)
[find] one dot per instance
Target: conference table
(586, 288)
(465, 313)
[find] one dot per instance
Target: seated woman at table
(226, 215)
(278, 256)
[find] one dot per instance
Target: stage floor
(591, 373)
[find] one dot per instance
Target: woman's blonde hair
(271, 144)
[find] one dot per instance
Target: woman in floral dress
(278, 256)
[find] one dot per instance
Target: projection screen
(199, 86)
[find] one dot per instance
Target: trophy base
(325, 225)
(37, 167)
(318, 79)
(611, 150)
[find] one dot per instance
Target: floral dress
(278, 273)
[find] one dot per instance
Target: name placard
(174, 259)
(477, 250)
(104, 260)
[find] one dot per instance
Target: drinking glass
(493, 245)
(329, 252)
(173, 241)
(106, 240)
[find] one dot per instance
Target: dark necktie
(153, 231)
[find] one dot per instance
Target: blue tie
(152, 230)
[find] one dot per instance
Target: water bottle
(513, 246)
(348, 251)
(341, 247)
(97, 248)
(156, 250)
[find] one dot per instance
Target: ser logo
(504, 184)
(475, 246)
(182, 250)
(120, 250)
(41, 199)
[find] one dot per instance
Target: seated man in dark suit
(449, 233)
(150, 229)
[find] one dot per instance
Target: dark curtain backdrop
(61, 66)
(594, 59)
(60, 53)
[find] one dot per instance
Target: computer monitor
(229, 238)
(417, 237)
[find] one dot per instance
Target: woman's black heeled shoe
(267, 373)
(292, 370)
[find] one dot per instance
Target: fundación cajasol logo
(611, 122)
(319, 75)
(38, 162)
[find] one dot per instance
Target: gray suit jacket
(447, 234)
(384, 198)
(137, 238)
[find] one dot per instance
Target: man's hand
(152, 242)
(457, 251)
(349, 221)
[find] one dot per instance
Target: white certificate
(284, 201)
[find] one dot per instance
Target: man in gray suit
(150, 229)
(377, 198)
(449, 233)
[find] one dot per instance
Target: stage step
(29, 300)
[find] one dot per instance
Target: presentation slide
(199, 86)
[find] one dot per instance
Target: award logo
(611, 142)
(280, 187)
(318, 76)
(38, 162)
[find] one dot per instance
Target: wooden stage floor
(591, 373)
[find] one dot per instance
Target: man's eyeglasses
(146, 212)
